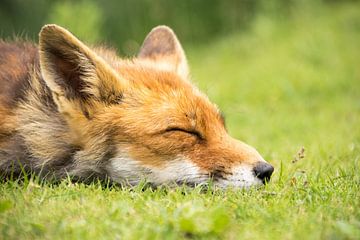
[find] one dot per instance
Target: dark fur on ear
(162, 45)
(73, 72)
(66, 64)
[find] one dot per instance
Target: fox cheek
(177, 170)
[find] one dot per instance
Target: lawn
(284, 84)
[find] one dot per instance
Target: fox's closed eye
(191, 132)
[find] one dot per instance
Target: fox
(68, 109)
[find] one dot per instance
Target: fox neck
(41, 140)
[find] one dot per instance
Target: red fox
(70, 110)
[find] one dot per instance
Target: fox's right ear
(71, 70)
(163, 47)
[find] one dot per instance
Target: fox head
(142, 118)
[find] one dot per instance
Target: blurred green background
(124, 23)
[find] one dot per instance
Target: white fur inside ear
(241, 177)
(162, 47)
(181, 69)
(159, 65)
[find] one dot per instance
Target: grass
(283, 85)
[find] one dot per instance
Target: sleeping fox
(70, 110)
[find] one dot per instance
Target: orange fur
(86, 112)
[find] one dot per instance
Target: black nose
(263, 171)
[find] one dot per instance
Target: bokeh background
(124, 23)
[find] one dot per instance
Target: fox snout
(263, 171)
(243, 174)
(236, 163)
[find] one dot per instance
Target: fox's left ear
(72, 70)
(162, 46)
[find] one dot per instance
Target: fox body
(70, 110)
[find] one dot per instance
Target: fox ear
(162, 46)
(70, 69)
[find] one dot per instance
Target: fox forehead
(165, 97)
